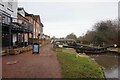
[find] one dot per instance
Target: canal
(109, 62)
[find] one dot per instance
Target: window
(10, 5)
(34, 29)
(20, 21)
(9, 20)
(3, 19)
(1, 3)
(6, 19)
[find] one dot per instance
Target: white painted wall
(9, 7)
(1, 3)
(6, 7)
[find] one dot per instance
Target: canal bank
(109, 63)
(114, 50)
(77, 66)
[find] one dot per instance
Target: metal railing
(22, 24)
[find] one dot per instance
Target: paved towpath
(43, 65)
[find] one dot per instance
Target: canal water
(109, 62)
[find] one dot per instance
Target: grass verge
(78, 67)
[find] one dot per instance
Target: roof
(42, 24)
(27, 14)
(22, 16)
(36, 17)
(20, 8)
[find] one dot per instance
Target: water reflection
(109, 62)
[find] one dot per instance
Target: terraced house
(26, 28)
(37, 25)
(18, 26)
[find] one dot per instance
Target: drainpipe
(23, 36)
(28, 38)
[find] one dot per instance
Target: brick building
(37, 25)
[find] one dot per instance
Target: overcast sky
(63, 18)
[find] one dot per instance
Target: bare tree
(104, 32)
(71, 36)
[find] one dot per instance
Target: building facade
(9, 8)
(37, 25)
(15, 27)
(8, 11)
(27, 25)
(18, 27)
